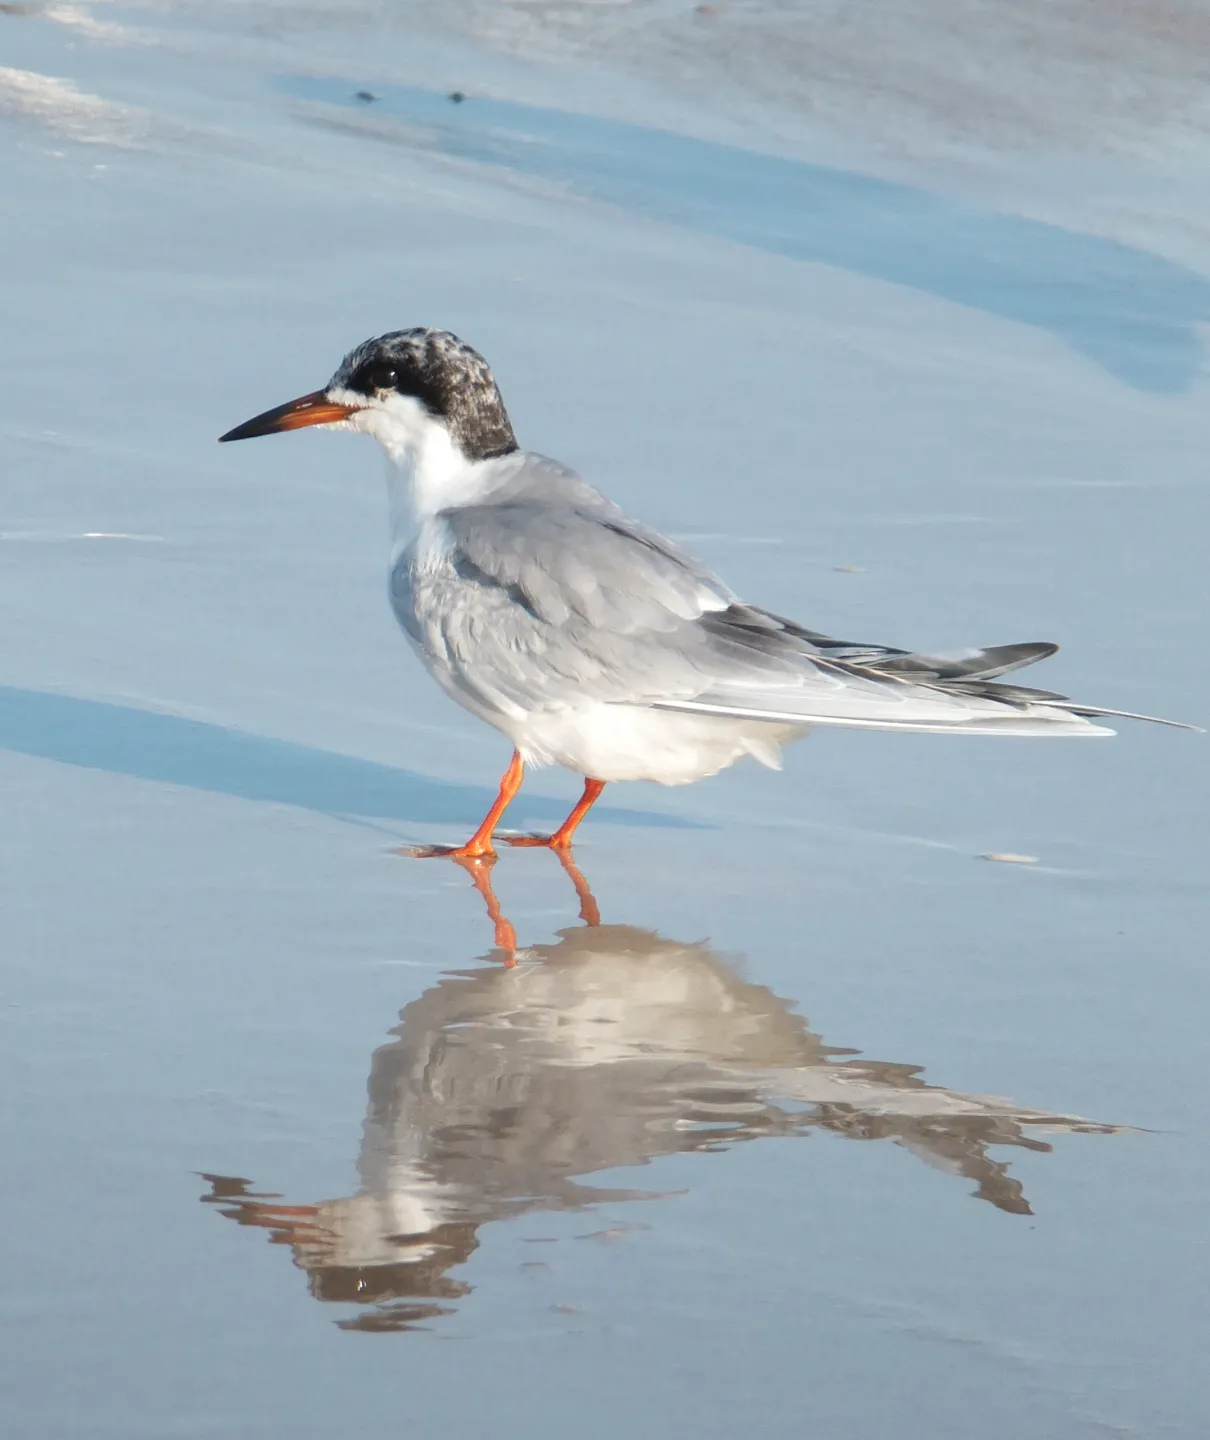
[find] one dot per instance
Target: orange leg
(561, 839)
(480, 843)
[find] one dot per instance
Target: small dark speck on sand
(457, 96)
(367, 97)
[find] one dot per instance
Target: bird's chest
(425, 588)
(453, 616)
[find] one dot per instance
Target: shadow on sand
(124, 740)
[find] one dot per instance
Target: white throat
(426, 471)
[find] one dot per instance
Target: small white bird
(591, 641)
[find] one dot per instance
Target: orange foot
(479, 846)
(469, 851)
(560, 841)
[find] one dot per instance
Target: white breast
(426, 471)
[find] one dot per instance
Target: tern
(594, 642)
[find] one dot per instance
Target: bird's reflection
(607, 1048)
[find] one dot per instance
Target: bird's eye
(378, 377)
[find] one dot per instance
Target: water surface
(786, 1112)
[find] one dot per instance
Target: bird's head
(407, 389)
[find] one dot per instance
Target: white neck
(426, 470)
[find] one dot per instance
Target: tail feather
(1039, 721)
(1052, 700)
(963, 673)
(1093, 710)
(876, 687)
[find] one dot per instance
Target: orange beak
(313, 409)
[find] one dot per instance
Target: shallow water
(617, 1162)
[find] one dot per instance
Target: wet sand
(896, 396)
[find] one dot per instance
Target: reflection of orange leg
(480, 872)
(480, 843)
(589, 911)
(561, 839)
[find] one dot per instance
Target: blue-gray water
(829, 1124)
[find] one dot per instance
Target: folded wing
(543, 603)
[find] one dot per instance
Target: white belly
(623, 742)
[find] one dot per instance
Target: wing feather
(546, 596)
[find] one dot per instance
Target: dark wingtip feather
(1095, 710)
(971, 665)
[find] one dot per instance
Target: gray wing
(541, 603)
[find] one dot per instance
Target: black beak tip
(241, 432)
(313, 409)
